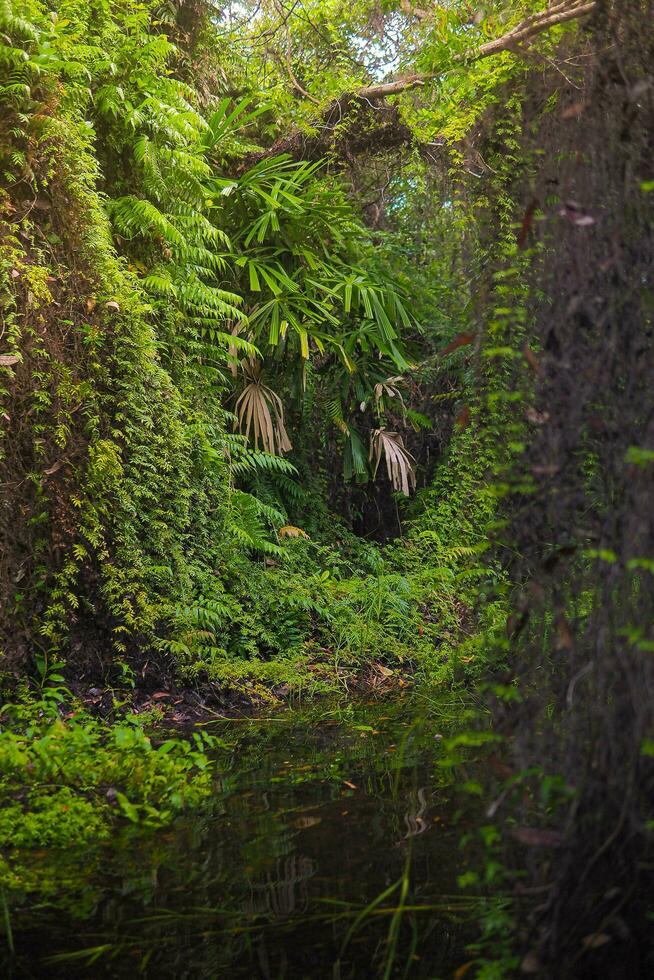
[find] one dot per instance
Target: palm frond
(399, 461)
(355, 463)
(261, 412)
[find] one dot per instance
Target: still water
(330, 849)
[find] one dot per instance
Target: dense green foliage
(317, 324)
(160, 292)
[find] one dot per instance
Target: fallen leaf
(462, 419)
(158, 695)
(113, 305)
(576, 215)
(463, 969)
(531, 359)
(91, 303)
(15, 274)
(460, 341)
(6, 360)
(527, 222)
(575, 110)
(346, 782)
(537, 836)
(55, 466)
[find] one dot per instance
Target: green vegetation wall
(107, 513)
(164, 281)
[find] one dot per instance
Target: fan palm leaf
(260, 411)
(400, 464)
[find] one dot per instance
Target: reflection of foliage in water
(314, 816)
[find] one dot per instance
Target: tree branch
(560, 13)
(289, 60)
(391, 132)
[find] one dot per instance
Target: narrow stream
(329, 849)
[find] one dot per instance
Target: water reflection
(280, 874)
(283, 891)
(414, 819)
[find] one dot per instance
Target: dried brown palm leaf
(390, 388)
(260, 411)
(399, 461)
